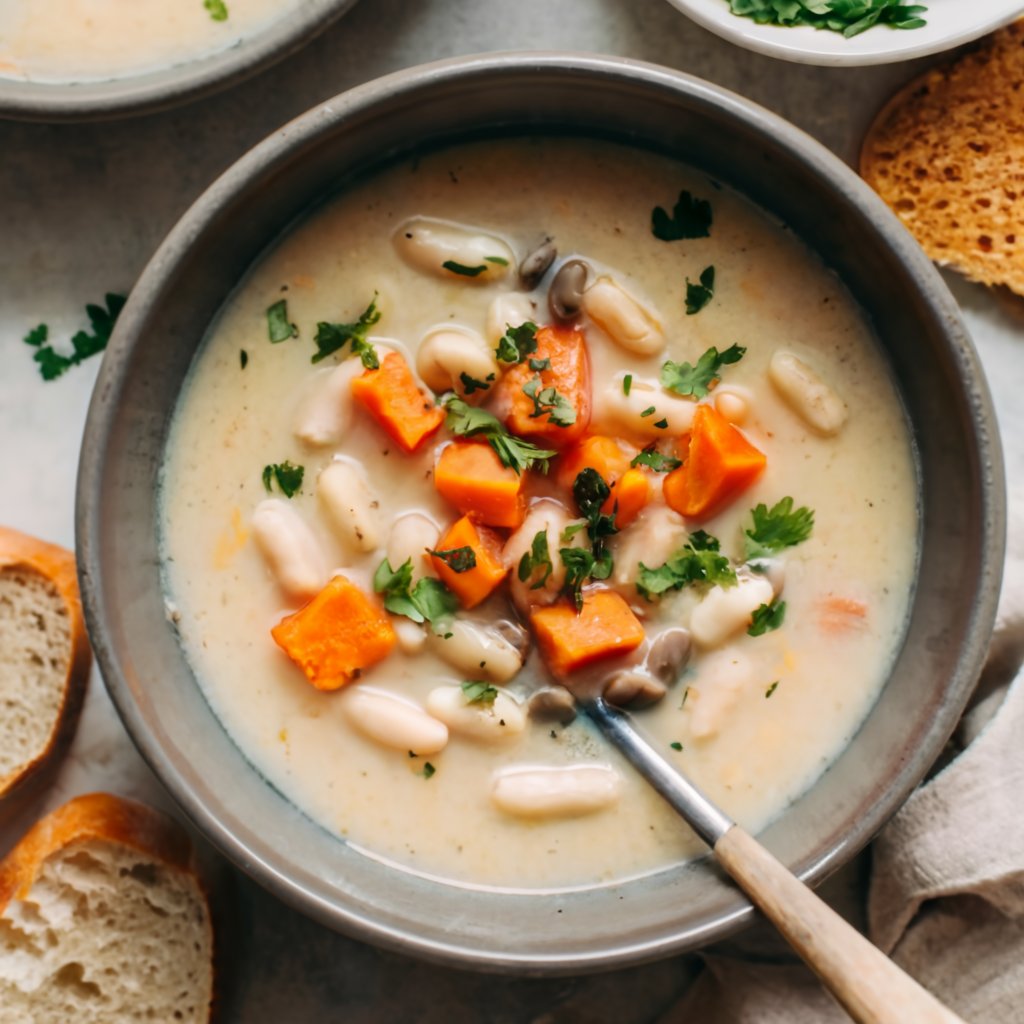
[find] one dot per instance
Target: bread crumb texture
(947, 154)
(35, 650)
(106, 934)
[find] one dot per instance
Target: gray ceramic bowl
(960, 481)
(169, 86)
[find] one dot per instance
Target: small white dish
(950, 23)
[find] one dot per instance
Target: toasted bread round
(947, 154)
(102, 919)
(44, 655)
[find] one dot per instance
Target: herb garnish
(550, 402)
(697, 562)
(499, 260)
(851, 17)
(217, 8)
(676, 745)
(653, 459)
(771, 689)
(699, 295)
(52, 364)
(517, 342)
(538, 557)
(649, 411)
(465, 420)
(590, 493)
(471, 384)
(767, 617)
(243, 358)
(428, 601)
(580, 565)
(691, 218)
(627, 383)
(428, 770)
(777, 528)
(279, 328)
(540, 364)
(684, 379)
(457, 559)
(332, 337)
(463, 270)
(288, 477)
(476, 691)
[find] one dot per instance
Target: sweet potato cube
(473, 585)
(470, 476)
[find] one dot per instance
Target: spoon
(869, 986)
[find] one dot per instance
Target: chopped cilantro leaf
(476, 691)
(53, 364)
(330, 338)
(653, 459)
(777, 528)
(579, 565)
(288, 477)
(243, 358)
(771, 689)
(471, 384)
(691, 218)
(517, 342)
(457, 559)
(767, 617)
(627, 383)
(428, 770)
(676, 745)
(428, 601)
(217, 8)
(689, 566)
(590, 492)
(701, 541)
(540, 364)
(684, 379)
(538, 557)
(649, 411)
(465, 420)
(499, 260)
(37, 335)
(549, 402)
(661, 424)
(462, 269)
(699, 295)
(279, 327)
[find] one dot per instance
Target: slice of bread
(103, 920)
(44, 655)
(947, 154)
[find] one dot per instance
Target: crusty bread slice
(103, 921)
(44, 655)
(947, 154)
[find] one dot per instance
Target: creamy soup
(724, 538)
(93, 40)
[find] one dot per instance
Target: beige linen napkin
(946, 898)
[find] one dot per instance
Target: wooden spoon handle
(871, 988)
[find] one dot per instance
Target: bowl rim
(171, 85)
(273, 154)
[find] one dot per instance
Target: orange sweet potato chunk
(472, 585)
(336, 635)
(630, 493)
(472, 478)
(604, 628)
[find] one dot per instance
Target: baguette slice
(44, 655)
(947, 154)
(102, 919)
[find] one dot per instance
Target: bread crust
(20, 551)
(945, 153)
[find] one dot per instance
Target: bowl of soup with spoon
(505, 382)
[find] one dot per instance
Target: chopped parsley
(217, 8)
(580, 566)
(428, 770)
(777, 528)
(697, 562)
(699, 295)
(499, 260)
(649, 411)
(676, 745)
(471, 384)
(540, 364)
(684, 379)
(465, 420)
(771, 689)
(537, 558)
(517, 342)
(653, 459)
(690, 218)
(459, 560)
(428, 601)
(590, 493)
(661, 424)
(330, 338)
(279, 327)
(851, 17)
(627, 383)
(243, 358)
(463, 270)
(549, 402)
(53, 364)
(478, 692)
(767, 617)
(288, 477)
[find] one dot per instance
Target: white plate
(950, 23)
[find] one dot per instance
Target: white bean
(806, 393)
(477, 650)
(325, 415)
(351, 505)
(411, 535)
(622, 318)
(412, 637)
(553, 517)
(632, 411)
(509, 309)
(726, 610)
(501, 719)
(429, 244)
(289, 548)
(652, 538)
(393, 721)
(733, 404)
(547, 792)
(447, 356)
(722, 676)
